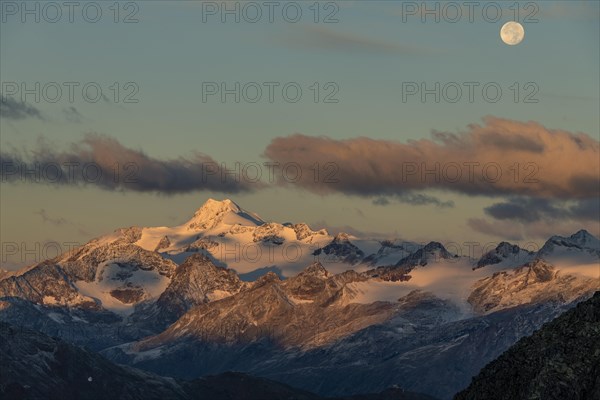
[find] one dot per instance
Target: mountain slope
(534, 282)
(559, 361)
(288, 311)
(37, 367)
(423, 348)
(196, 281)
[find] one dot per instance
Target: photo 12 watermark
(453, 12)
(69, 172)
(269, 172)
(469, 92)
(70, 92)
(252, 12)
(467, 171)
(129, 172)
(53, 12)
(270, 92)
(35, 252)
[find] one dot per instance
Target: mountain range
(336, 315)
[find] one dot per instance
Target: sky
(371, 102)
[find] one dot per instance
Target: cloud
(47, 219)
(518, 218)
(381, 201)
(15, 110)
(536, 209)
(537, 230)
(414, 199)
(574, 10)
(498, 158)
(335, 229)
(102, 161)
(502, 229)
(73, 115)
(317, 37)
(60, 221)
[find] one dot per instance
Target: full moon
(512, 33)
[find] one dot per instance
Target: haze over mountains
(332, 314)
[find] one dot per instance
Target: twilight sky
(372, 147)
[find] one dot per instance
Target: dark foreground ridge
(35, 366)
(560, 361)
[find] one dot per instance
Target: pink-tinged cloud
(500, 157)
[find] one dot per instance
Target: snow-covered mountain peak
(431, 252)
(214, 212)
(585, 239)
(581, 242)
(505, 254)
(316, 269)
(303, 231)
(434, 246)
(506, 248)
(341, 237)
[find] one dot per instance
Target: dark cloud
(536, 209)
(414, 199)
(498, 158)
(47, 219)
(15, 110)
(104, 162)
(381, 201)
(586, 209)
(73, 115)
(520, 217)
(420, 199)
(63, 222)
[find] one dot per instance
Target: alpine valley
(228, 300)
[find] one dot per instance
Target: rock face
(432, 252)
(46, 283)
(196, 281)
(341, 248)
(535, 282)
(559, 361)
(506, 253)
(309, 309)
(303, 231)
(163, 244)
